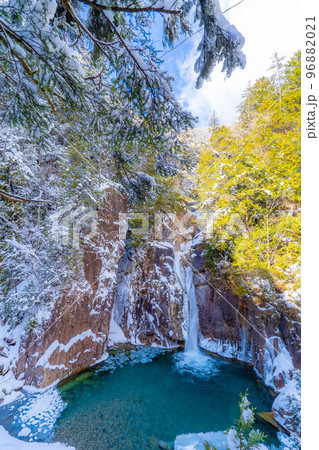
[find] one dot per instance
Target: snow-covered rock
(195, 441)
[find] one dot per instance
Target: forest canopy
(248, 182)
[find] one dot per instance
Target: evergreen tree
(242, 436)
(249, 188)
(278, 68)
(81, 84)
(76, 52)
(213, 122)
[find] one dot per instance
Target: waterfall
(193, 360)
(191, 347)
(244, 346)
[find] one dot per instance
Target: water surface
(144, 396)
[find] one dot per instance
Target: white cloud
(268, 27)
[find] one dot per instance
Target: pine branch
(84, 29)
(7, 30)
(69, 7)
(129, 51)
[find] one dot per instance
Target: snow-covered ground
(10, 443)
(219, 440)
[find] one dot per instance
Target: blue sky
(268, 26)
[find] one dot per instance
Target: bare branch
(16, 198)
(150, 9)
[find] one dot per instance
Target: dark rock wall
(148, 305)
(76, 334)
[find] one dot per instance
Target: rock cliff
(74, 334)
(263, 334)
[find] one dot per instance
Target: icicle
(244, 346)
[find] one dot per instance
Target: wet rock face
(218, 318)
(76, 334)
(149, 300)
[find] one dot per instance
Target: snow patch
(35, 414)
(226, 349)
(10, 443)
(44, 359)
(116, 335)
(195, 441)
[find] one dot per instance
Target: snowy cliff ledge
(70, 333)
